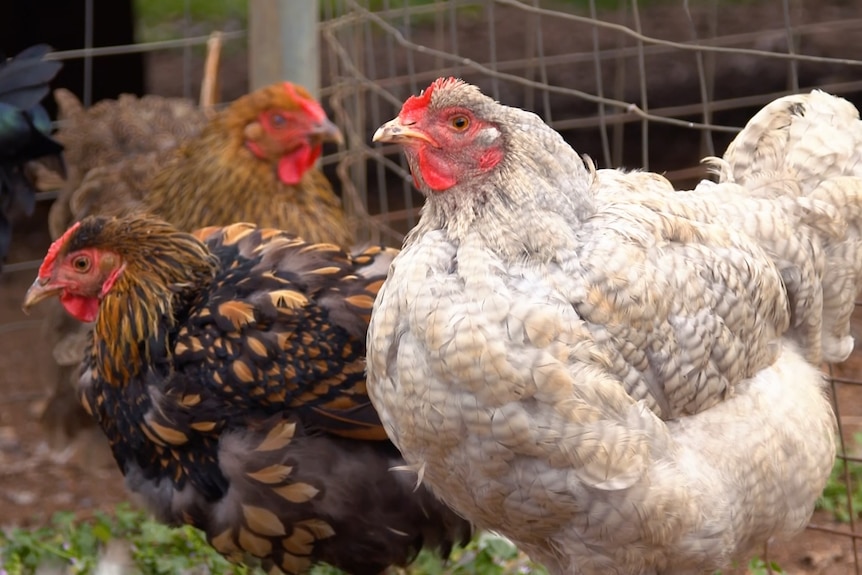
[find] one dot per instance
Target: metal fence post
(283, 43)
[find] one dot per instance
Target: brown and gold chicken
(253, 162)
(226, 368)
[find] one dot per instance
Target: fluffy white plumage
(619, 377)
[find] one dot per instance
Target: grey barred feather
(629, 383)
(813, 141)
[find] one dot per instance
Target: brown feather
(161, 156)
(247, 418)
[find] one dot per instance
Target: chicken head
(445, 143)
(81, 276)
(287, 126)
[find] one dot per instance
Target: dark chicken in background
(25, 130)
(253, 161)
(227, 370)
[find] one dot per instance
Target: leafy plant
(162, 19)
(835, 495)
(77, 546)
(758, 566)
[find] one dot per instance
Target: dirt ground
(36, 481)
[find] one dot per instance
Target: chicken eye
(460, 123)
(81, 264)
(278, 121)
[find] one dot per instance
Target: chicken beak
(41, 289)
(396, 131)
(327, 132)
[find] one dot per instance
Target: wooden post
(283, 43)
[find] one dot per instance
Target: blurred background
(654, 84)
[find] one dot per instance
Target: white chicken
(619, 377)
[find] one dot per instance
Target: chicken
(25, 132)
(226, 369)
(116, 147)
(619, 377)
(253, 162)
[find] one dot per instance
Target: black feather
(25, 78)
(25, 131)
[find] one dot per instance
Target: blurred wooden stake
(210, 88)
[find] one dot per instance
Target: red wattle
(81, 308)
(437, 175)
(292, 166)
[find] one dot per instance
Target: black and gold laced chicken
(226, 368)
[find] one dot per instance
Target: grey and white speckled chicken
(619, 377)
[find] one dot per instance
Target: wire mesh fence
(653, 84)
(649, 85)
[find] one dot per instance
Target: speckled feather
(625, 385)
(774, 155)
(226, 369)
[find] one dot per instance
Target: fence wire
(630, 87)
(653, 84)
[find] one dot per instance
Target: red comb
(414, 103)
(306, 103)
(54, 250)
